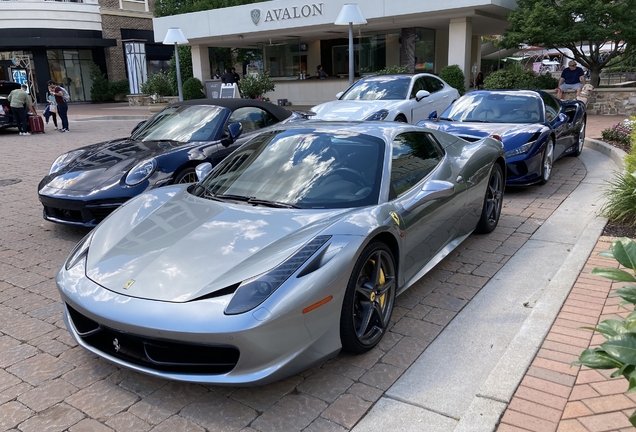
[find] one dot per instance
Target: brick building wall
(113, 20)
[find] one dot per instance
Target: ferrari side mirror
(202, 170)
(433, 115)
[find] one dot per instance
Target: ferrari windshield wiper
(275, 204)
(234, 197)
(446, 118)
(476, 121)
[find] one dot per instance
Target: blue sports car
(535, 127)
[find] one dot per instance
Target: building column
(459, 44)
(475, 56)
(201, 62)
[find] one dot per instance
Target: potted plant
(158, 86)
(255, 86)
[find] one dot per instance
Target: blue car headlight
(255, 291)
(520, 150)
(79, 252)
(63, 160)
(378, 116)
(141, 172)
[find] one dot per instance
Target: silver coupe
(291, 249)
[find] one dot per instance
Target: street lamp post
(349, 15)
(176, 37)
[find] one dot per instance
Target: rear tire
(493, 201)
(581, 140)
(547, 162)
(187, 175)
(369, 299)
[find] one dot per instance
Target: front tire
(187, 175)
(548, 160)
(581, 140)
(401, 119)
(369, 299)
(493, 201)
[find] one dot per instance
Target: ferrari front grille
(161, 355)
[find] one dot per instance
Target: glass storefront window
(424, 50)
(70, 68)
(285, 59)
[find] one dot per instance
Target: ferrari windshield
(183, 124)
(379, 88)
(485, 107)
(302, 168)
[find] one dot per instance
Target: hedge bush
(192, 89)
(517, 78)
(391, 70)
(158, 84)
(454, 76)
(102, 90)
(255, 86)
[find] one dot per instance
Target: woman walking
(51, 110)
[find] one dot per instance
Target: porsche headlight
(79, 252)
(520, 150)
(141, 172)
(63, 160)
(378, 116)
(254, 291)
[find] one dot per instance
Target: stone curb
(612, 152)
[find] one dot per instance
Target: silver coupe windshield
(183, 124)
(495, 108)
(381, 88)
(301, 168)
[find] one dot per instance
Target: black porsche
(85, 185)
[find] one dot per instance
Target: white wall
(50, 14)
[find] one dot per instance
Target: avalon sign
(304, 11)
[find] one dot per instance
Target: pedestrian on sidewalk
(20, 102)
(51, 108)
(62, 106)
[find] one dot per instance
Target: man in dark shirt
(236, 76)
(572, 78)
(227, 77)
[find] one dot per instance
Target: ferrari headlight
(64, 160)
(520, 150)
(378, 116)
(79, 251)
(254, 291)
(141, 172)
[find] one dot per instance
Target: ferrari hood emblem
(129, 284)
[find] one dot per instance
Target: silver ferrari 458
(291, 249)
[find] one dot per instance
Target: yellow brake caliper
(382, 281)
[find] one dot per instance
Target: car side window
(418, 85)
(552, 107)
(414, 156)
(252, 118)
(433, 84)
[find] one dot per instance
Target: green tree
(174, 7)
(100, 91)
(454, 77)
(582, 26)
(185, 66)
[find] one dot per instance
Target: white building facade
(295, 36)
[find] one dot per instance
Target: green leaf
(624, 251)
(610, 328)
(632, 419)
(606, 254)
(631, 378)
(597, 359)
(622, 348)
(627, 293)
(630, 321)
(614, 274)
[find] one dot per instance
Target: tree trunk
(595, 77)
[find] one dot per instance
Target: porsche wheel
(188, 175)
(401, 119)
(580, 141)
(491, 211)
(548, 160)
(368, 302)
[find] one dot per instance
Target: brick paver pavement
(48, 383)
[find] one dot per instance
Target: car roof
(376, 129)
(279, 112)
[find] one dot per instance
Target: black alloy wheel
(491, 211)
(369, 299)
